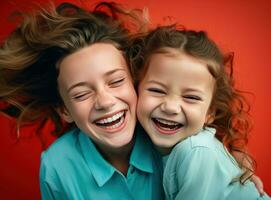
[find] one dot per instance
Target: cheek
(128, 95)
(80, 110)
(196, 114)
(146, 105)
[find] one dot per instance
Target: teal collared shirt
(200, 168)
(72, 168)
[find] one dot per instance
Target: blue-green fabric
(72, 168)
(200, 168)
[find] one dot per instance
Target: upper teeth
(166, 122)
(111, 119)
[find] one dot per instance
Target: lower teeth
(166, 126)
(115, 125)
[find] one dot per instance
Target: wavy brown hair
(30, 54)
(231, 110)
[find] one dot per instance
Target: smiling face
(174, 98)
(98, 94)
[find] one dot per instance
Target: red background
(240, 26)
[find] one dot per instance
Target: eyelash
(188, 98)
(193, 98)
(80, 96)
(117, 82)
(155, 90)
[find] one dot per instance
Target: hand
(258, 184)
(248, 164)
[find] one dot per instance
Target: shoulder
(63, 148)
(198, 152)
(63, 164)
(203, 141)
(190, 162)
(63, 157)
(205, 138)
(65, 142)
(203, 152)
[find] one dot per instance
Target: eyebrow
(114, 70)
(157, 82)
(194, 90)
(77, 85)
(83, 83)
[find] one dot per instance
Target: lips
(167, 127)
(112, 122)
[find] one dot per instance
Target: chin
(163, 143)
(122, 141)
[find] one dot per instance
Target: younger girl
(190, 109)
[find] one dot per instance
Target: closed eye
(192, 98)
(81, 96)
(117, 82)
(156, 90)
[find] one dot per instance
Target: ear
(210, 117)
(64, 114)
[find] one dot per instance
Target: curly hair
(29, 57)
(231, 110)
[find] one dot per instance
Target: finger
(258, 184)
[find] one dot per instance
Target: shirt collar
(141, 157)
(101, 170)
(209, 130)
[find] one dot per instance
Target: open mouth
(112, 122)
(166, 126)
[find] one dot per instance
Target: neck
(164, 150)
(118, 157)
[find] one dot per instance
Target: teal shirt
(72, 168)
(200, 168)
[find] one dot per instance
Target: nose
(171, 106)
(104, 100)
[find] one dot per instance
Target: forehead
(95, 53)
(90, 63)
(174, 59)
(179, 68)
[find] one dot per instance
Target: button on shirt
(72, 168)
